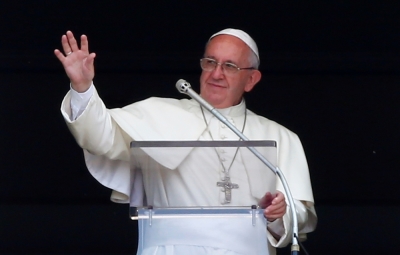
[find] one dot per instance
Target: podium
(168, 220)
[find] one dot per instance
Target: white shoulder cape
(105, 135)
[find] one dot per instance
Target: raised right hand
(78, 63)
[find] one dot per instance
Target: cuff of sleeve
(276, 227)
(79, 101)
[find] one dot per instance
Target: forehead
(227, 48)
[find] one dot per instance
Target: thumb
(90, 60)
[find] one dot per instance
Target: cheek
(236, 90)
(202, 79)
(233, 85)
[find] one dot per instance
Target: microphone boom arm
(185, 88)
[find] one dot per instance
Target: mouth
(216, 85)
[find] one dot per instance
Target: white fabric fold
(105, 135)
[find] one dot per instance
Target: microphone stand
(185, 88)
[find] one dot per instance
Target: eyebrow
(227, 61)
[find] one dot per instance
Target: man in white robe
(229, 69)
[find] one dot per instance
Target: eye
(230, 66)
(210, 61)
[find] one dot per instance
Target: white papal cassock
(105, 136)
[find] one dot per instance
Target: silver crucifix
(228, 186)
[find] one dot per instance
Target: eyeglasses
(209, 65)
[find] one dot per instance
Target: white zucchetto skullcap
(242, 36)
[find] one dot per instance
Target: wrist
(80, 88)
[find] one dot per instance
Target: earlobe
(254, 78)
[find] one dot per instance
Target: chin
(212, 99)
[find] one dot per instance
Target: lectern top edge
(260, 143)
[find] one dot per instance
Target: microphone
(184, 87)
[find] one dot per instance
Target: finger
(279, 213)
(281, 206)
(89, 61)
(271, 213)
(72, 42)
(59, 55)
(266, 200)
(65, 44)
(279, 209)
(279, 197)
(90, 58)
(84, 44)
(275, 216)
(277, 200)
(273, 208)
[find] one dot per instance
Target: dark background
(330, 74)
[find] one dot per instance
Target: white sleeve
(281, 229)
(79, 101)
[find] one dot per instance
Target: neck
(229, 106)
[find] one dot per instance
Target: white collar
(233, 111)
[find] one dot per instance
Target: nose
(218, 72)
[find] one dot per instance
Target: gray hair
(253, 60)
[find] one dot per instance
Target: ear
(254, 78)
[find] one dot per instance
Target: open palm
(78, 62)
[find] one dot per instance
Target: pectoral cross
(228, 186)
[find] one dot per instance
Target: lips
(216, 85)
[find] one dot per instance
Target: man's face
(225, 90)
